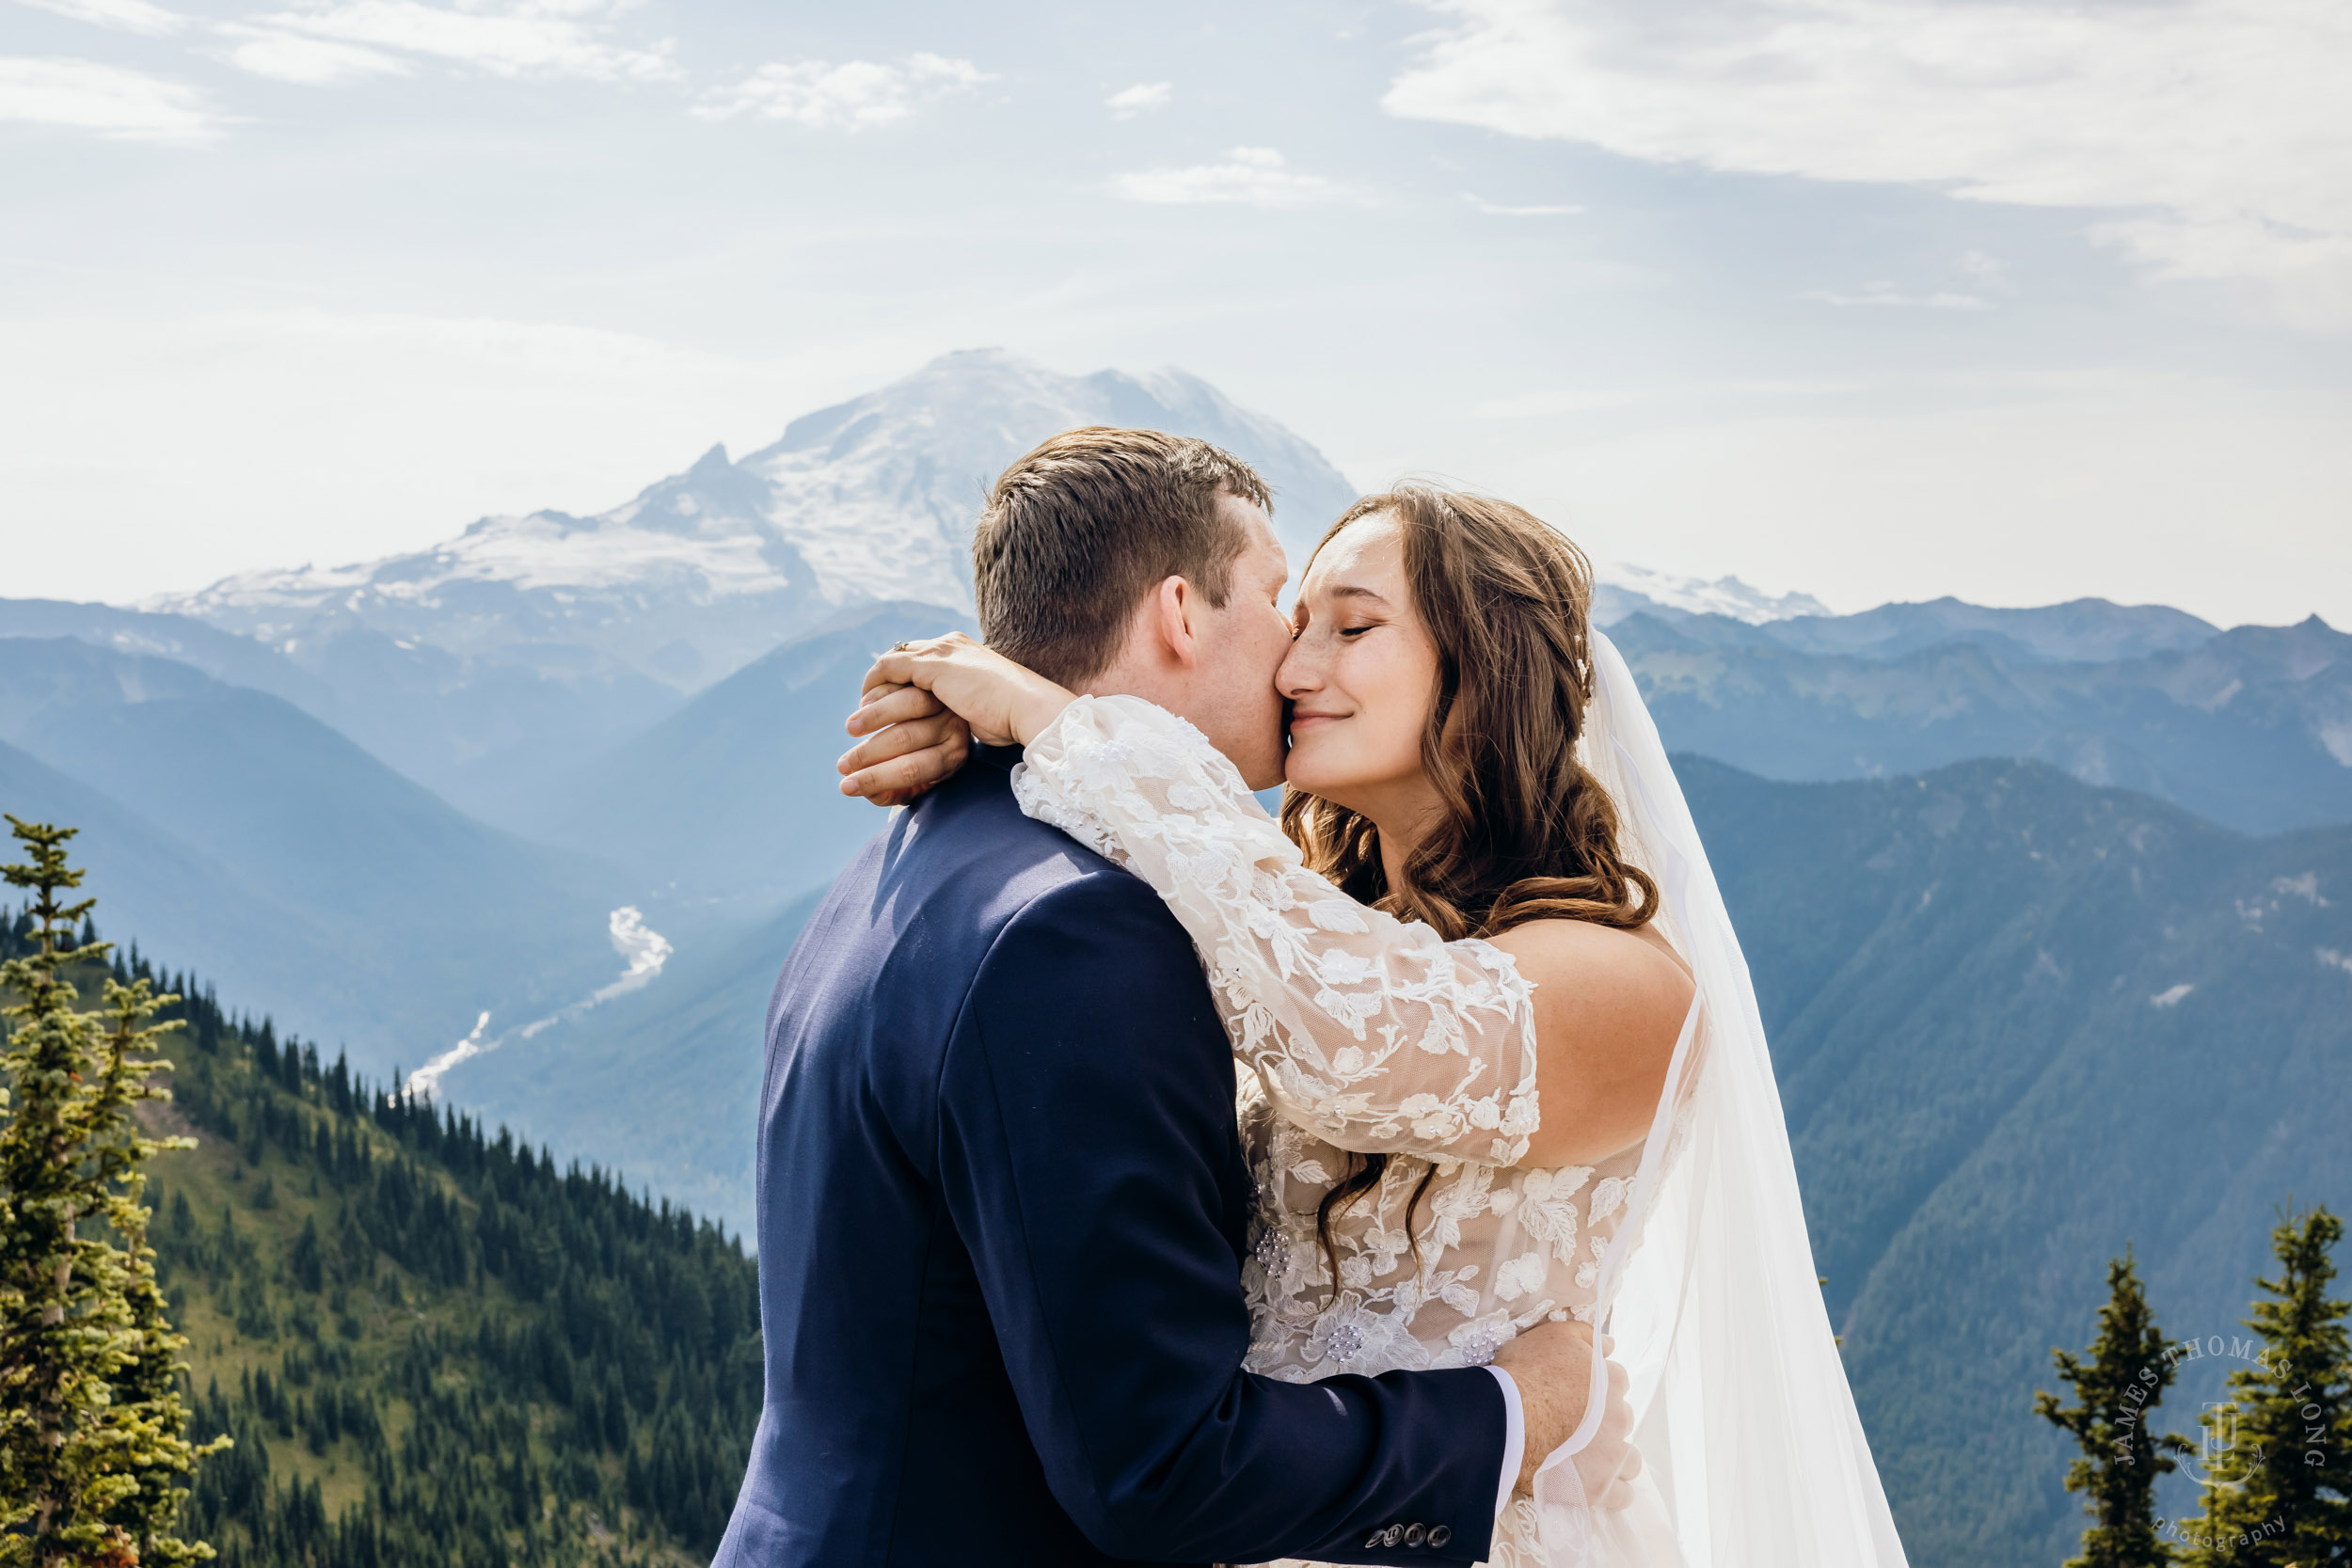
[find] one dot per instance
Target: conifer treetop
(93, 1437)
(2117, 1385)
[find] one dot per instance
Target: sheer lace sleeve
(1367, 1030)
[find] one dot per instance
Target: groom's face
(1241, 644)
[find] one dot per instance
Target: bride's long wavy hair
(1525, 833)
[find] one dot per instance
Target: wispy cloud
(2219, 120)
(103, 100)
(548, 39)
(318, 42)
(1989, 270)
(855, 95)
(1496, 209)
(284, 56)
(1250, 176)
(1886, 293)
(1127, 102)
(123, 16)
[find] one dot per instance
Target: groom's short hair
(1077, 532)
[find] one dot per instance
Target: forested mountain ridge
(2250, 728)
(429, 1344)
(2022, 1024)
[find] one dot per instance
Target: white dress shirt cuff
(1514, 1440)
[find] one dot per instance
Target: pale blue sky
(1870, 298)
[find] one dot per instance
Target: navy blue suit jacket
(1002, 1210)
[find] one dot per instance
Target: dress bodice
(1498, 1249)
(1441, 1263)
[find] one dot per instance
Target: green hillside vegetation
(431, 1345)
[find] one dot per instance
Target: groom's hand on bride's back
(1552, 1365)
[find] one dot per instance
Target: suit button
(1415, 1535)
(1374, 1542)
(1393, 1534)
(1440, 1534)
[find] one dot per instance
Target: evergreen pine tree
(157, 1451)
(93, 1430)
(2119, 1388)
(2290, 1500)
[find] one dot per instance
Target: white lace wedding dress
(1361, 1032)
(1358, 1032)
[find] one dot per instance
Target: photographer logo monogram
(2222, 1460)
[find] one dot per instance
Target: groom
(1002, 1197)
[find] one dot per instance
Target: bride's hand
(906, 694)
(1006, 703)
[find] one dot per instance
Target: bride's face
(1361, 678)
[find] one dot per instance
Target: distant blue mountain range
(297, 870)
(2250, 728)
(732, 799)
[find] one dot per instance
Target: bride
(1505, 1064)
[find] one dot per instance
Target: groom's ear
(1176, 607)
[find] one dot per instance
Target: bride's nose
(1301, 669)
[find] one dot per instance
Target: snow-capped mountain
(1625, 590)
(700, 573)
(879, 495)
(529, 645)
(683, 582)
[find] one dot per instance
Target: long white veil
(1753, 1455)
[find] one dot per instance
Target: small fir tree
(2118, 1385)
(2289, 1501)
(93, 1427)
(157, 1451)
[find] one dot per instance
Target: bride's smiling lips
(1299, 721)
